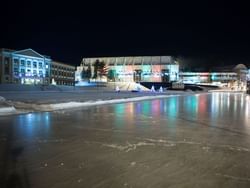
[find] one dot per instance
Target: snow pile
(2, 99)
(61, 106)
(7, 110)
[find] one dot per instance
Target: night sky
(205, 34)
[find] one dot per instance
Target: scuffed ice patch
(51, 141)
(233, 177)
(205, 146)
(130, 147)
(173, 142)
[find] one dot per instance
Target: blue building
(24, 67)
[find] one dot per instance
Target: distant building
(206, 77)
(24, 67)
(134, 69)
(29, 67)
(234, 76)
(248, 75)
(62, 74)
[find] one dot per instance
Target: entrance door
(137, 75)
(165, 75)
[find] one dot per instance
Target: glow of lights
(213, 77)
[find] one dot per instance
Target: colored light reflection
(191, 105)
(156, 108)
(202, 104)
(120, 115)
(217, 109)
(31, 124)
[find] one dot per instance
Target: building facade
(29, 67)
(207, 77)
(234, 77)
(238, 73)
(135, 69)
(248, 75)
(24, 67)
(62, 74)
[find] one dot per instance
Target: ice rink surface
(200, 140)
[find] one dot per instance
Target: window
(16, 62)
(40, 73)
(22, 63)
(6, 65)
(34, 64)
(23, 72)
(28, 73)
(16, 71)
(28, 64)
(40, 65)
(6, 60)
(34, 72)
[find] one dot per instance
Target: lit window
(16, 62)
(40, 65)
(28, 64)
(22, 63)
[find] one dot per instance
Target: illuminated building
(248, 75)
(24, 67)
(135, 69)
(205, 77)
(62, 74)
(29, 67)
(233, 76)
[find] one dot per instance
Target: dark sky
(208, 33)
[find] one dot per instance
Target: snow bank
(67, 105)
(2, 99)
(7, 110)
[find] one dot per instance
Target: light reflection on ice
(32, 122)
(216, 109)
(220, 109)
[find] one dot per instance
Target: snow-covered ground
(5, 108)
(22, 102)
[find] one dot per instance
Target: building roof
(26, 52)
(63, 64)
(132, 60)
(240, 67)
(6, 50)
(29, 52)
